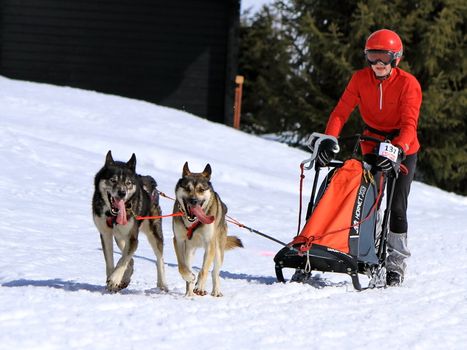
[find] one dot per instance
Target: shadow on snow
(73, 286)
(223, 274)
(57, 283)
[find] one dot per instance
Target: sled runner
(342, 232)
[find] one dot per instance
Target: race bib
(389, 151)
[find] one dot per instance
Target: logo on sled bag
(357, 217)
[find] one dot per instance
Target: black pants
(398, 218)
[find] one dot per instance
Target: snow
(52, 276)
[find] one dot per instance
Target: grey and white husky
(202, 226)
(119, 196)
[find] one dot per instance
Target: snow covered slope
(52, 276)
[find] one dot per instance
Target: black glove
(328, 148)
(387, 165)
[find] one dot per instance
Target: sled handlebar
(314, 143)
(338, 163)
(384, 150)
(360, 138)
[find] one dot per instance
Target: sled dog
(202, 225)
(119, 196)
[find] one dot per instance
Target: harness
(190, 230)
(111, 220)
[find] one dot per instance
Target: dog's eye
(114, 181)
(128, 183)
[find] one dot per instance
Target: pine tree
(265, 61)
(298, 55)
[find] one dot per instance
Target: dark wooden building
(177, 53)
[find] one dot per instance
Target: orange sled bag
(339, 235)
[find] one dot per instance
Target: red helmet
(385, 40)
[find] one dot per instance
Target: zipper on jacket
(380, 95)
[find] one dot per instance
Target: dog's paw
(163, 287)
(116, 283)
(189, 290)
(200, 292)
(115, 287)
(189, 277)
(216, 293)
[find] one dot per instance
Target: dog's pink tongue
(199, 213)
(121, 216)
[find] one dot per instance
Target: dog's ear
(207, 172)
(132, 163)
(186, 170)
(108, 159)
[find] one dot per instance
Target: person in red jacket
(388, 100)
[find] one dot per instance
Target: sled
(343, 232)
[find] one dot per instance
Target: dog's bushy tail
(233, 242)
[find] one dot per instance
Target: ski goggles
(383, 56)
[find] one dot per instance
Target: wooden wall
(177, 53)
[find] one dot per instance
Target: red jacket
(385, 105)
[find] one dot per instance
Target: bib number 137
(389, 151)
